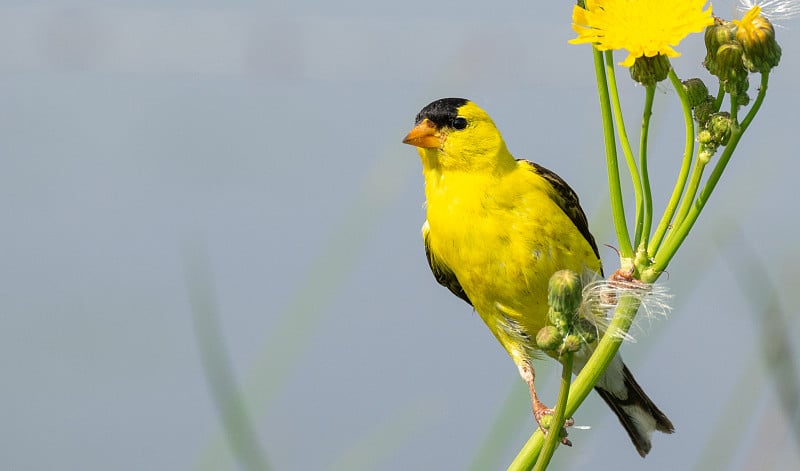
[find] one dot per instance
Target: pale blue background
(137, 138)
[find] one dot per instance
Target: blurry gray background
(244, 158)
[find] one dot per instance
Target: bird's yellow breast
(503, 236)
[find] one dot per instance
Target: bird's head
(456, 134)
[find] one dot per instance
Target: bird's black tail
(636, 412)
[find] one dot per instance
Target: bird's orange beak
(424, 135)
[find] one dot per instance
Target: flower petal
(642, 27)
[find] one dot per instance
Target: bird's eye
(459, 123)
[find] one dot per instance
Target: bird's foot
(544, 417)
(542, 413)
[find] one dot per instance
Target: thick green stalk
(683, 174)
(582, 385)
(626, 146)
(615, 189)
(553, 437)
(650, 92)
(663, 257)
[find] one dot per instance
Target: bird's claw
(545, 414)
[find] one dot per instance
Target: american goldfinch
(497, 228)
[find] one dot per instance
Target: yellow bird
(497, 228)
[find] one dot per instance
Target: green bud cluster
(737, 48)
(714, 132)
(724, 57)
(566, 331)
(714, 128)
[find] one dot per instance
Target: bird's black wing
(567, 200)
(443, 274)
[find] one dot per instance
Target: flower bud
(719, 34)
(560, 321)
(720, 128)
(548, 338)
(731, 70)
(729, 62)
(546, 421)
(696, 91)
(704, 110)
(564, 292)
(742, 98)
(572, 343)
(650, 70)
(757, 36)
(704, 137)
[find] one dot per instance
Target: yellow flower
(642, 27)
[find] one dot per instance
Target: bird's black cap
(442, 112)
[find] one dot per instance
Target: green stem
(615, 190)
(683, 174)
(662, 259)
(582, 385)
(691, 192)
(626, 146)
(762, 92)
(734, 109)
(554, 436)
(720, 97)
(650, 92)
